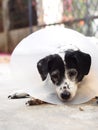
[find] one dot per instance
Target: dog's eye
(55, 77)
(72, 73)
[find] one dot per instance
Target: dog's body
(65, 72)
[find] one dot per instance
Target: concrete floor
(15, 115)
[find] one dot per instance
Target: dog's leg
(18, 95)
(34, 101)
(21, 94)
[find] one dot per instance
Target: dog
(66, 72)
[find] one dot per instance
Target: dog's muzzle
(66, 91)
(65, 95)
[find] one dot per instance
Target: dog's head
(65, 74)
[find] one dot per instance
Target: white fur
(67, 85)
(72, 89)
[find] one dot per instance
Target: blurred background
(19, 18)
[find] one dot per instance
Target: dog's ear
(50, 64)
(79, 60)
(42, 66)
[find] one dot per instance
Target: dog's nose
(65, 95)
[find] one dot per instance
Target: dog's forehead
(61, 50)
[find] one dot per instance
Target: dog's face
(65, 74)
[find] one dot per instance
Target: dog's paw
(18, 95)
(34, 102)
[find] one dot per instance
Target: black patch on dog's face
(54, 65)
(72, 74)
(78, 60)
(77, 64)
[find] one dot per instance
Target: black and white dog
(65, 73)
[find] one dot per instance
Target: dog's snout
(66, 86)
(65, 95)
